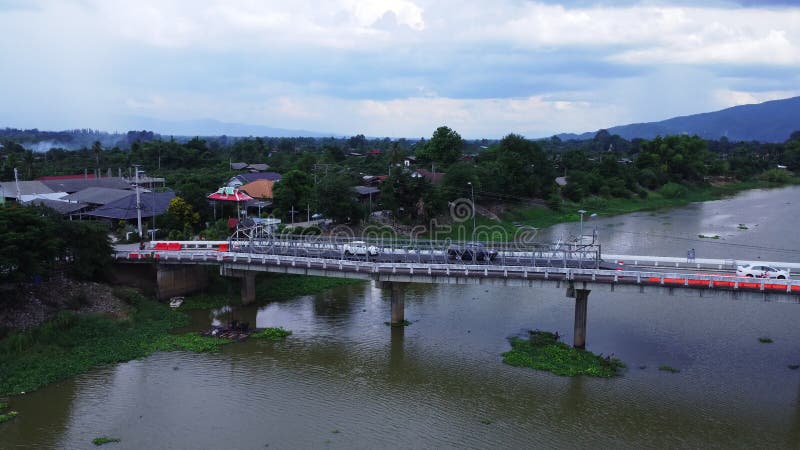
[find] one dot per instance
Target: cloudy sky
(391, 67)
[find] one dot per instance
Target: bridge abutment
(176, 280)
(581, 302)
(248, 287)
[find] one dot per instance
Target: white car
(360, 248)
(761, 271)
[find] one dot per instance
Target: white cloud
(391, 67)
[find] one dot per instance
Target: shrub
(673, 190)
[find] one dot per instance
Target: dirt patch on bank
(23, 306)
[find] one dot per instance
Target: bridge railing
(419, 250)
(459, 269)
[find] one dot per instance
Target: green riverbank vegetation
(105, 440)
(269, 287)
(72, 344)
(272, 334)
(543, 351)
(5, 417)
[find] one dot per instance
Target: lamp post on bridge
(474, 211)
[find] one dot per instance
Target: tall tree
(444, 148)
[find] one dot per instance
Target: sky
(391, 68)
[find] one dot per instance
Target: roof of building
(366, 190)
(59, 206)
(258, 167)
(431, 177)
(238, 165)
(250, 177)
(75, 185)
(259, 188)
(9, 188)
(98, 195)
(153, 204)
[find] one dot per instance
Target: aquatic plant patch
(543, 351)
(105, 440)
(668, 369)
(273, 334)
(765, 340)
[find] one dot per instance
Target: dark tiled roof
(153, 204)
(366, 190)
(250, 177)
(75, 185)
(9, 188)
(98, 195)
(59, 206)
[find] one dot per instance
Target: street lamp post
(138, 201)
(474, 211)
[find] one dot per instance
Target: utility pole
(138, 201)
(292, 212)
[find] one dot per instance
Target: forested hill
(772, 121)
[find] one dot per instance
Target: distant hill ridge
(772, 121)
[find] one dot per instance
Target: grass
(272, 334)
(668, 369)
(544, 352)
(765, 340)
(104, 440)
(269, 287)
(73, 344)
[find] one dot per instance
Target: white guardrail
(684, 279)
(698, 263)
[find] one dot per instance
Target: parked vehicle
(360, 248)
(471, 251)
(761, 271)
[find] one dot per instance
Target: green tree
(181, 215)
(336, 200)
(444, 148)
(294, 191)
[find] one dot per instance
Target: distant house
(561, 181)
(8, 189)
(375, 152)
(374, 180)
(409, 161)
(366, 194)
(256, 167)
(244, 178)
(152, 204)
(430, 177)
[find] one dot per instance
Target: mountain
(771, 121)
(211, 127)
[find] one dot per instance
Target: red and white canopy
(229, 194)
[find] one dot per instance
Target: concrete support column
(581, 300)
(248, 287)
(397, 294)
(398, 303)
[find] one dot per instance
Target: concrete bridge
(575, 269)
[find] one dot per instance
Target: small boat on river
(175, 302)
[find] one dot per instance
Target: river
(344, 379)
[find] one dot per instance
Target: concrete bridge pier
(175, 280)
(581, 301)
(248, 287)
(398, 293)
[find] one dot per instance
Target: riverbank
(112, 326)
(74, 343)
(513, 218)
